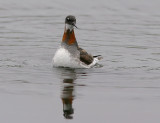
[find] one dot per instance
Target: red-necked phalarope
(70, 54)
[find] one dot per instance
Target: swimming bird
(70, 54)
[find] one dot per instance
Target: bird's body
(70, 54)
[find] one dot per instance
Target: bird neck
(69, 37)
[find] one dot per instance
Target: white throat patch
(70, 27)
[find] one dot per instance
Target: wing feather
(85, 57)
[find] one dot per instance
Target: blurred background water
(126, 89)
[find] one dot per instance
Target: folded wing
(85, 57)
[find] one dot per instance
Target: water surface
(125, 89)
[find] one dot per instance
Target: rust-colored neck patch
(69, 37)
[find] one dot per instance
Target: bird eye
(68, 19)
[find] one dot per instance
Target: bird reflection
(67, 98)
(68, 77)
(67, 92)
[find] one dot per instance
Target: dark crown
(70, 19)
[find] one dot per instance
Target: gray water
(125, 88)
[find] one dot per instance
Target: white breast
(63, 58)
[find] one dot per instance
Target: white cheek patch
(70, 27)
